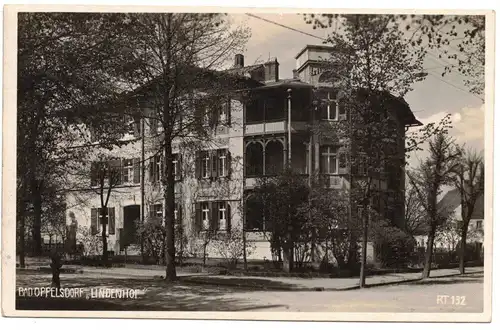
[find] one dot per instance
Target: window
(156, 211)
(98, 216)
(211, 215)
(176, 167)
(479, 224)
(95, 169)
(128, 170)
(315, 71)
(106, 173)
(329, 108)
(205, 165)
(133, 125)
(341, 110)
(254, 213)
(342, 160)
(92, 133)
(222, 164)
(224, 113)
(329, 160)
(222, 216)
(155, 168)
(362, 164)
(176, 214)
(213, 164)
(205, 216)
(154, 128)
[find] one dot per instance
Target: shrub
(230, 246)
(394, 246)
(152, 234)
(91, 245)
(181, 244)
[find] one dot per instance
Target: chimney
(239, 61)
(295, 74)
(271, 71)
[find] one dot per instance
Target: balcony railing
(267, 127)
(332, 181)
(251, 182)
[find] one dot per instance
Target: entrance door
(131, 217)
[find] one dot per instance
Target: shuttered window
(213, 164)
(213, 215)
(177, 167)
(97, 218)
(205, 216)
(128, 170)
(205, 165)
(137, 170)
(155, 168)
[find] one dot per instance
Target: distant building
(258, 141)
(450, 204)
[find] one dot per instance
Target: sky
(430, 99)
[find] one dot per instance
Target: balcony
(333, 181)
(265, 128)
(299, 126)
(273, 127)
(250, 182)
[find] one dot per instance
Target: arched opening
(254, 164)
(254, 214)
(327, 77)
(274, 157)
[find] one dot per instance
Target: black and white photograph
(248, 162)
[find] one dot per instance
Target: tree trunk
(104, 244)
(56, 271)
(352, 258)
(313, 246)
(428, 252)
(169, 195)
(21, 233)
(37, 219)
(181, 243)
(204, 254)
(245, 264)
(463, 245)
(288, 257)
(362, 272)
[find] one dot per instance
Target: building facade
(267, 126)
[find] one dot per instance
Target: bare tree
(66, 70)
(415, 217)
(372, 67)
(469, 181)
(176, 54)
(456, 41)
(428, 180)
(108, 177)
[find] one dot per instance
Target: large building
(267, 127)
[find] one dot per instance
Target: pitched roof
(451, 201)
(244, 70)
(286, 83)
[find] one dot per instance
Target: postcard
(246, 163)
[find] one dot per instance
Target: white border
(9, 181)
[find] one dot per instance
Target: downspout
(143, 165)
(289, 128)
